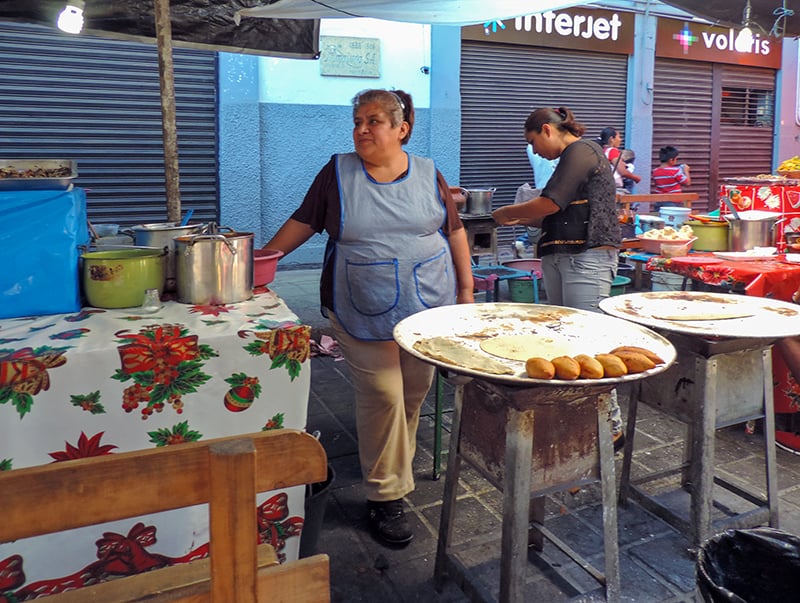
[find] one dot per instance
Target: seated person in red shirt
(669, 176)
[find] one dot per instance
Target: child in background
(628, 157)
(669, 176)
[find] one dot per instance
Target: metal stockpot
(744, 235)
(479, 201)
(163, 235)
(214, 268)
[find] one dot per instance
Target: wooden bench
(226, 473)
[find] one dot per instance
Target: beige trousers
(390, 385)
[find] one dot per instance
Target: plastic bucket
(666, 281)
(674, 216)
(521, 290)
(618, 285)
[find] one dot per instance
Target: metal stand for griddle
(713, 384)
(527, 442)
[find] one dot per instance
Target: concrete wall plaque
(357, 57)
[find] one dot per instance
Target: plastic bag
(759, 565)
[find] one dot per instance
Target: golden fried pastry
(540, 368)
(632, 348)
(567, 368)
(590, 367)
(613, 366)
(635, 362)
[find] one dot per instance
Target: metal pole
(168, 121)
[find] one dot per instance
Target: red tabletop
(775, 278)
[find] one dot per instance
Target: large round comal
(214, 269)
(119, 278)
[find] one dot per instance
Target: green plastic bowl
(118, 278)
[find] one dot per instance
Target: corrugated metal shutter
(747, 121)
(721, 118)
(97, 101)
(682, 117)
(502, 83)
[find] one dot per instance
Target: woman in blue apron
(396, 246)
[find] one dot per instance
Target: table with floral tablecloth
(98, 382)
(779, 195)
(773, 277)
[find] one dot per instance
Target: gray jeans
(582, 281)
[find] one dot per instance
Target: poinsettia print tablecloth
(100, 382)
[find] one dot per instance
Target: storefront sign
(697, 42)
(574, 28)
(356, 57)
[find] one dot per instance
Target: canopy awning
(440, 12)
(203, 24)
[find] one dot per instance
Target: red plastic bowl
(265, 262)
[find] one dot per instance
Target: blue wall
(270, 152)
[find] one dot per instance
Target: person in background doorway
(610, 139)
(542, 171)
(670, 176)
(577, 213)
(542, 168)
(396, 246)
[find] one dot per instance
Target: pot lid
(167, 226)
(755, 215)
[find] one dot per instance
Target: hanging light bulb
(744, 39)
(71, 18)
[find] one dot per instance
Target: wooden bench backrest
(225, 473)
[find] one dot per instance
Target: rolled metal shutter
(746, 136)
(97, 101)
(682, 117)
(721, 118)
(502, 83)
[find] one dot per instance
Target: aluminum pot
(746, 234)
(163, 235)
(479, 200)
(214, 268)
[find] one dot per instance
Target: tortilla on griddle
(458, 354)
(698, 317)
(522, 347)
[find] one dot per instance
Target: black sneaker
(388, 522)
(619, 441)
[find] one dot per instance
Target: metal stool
(528, 442)
(714, 384)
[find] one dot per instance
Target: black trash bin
(759, 565)
(316, 500)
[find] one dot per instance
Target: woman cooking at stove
(577, 213)
(396, 246)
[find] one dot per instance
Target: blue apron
(392, 259)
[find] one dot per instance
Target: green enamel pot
(118, 278)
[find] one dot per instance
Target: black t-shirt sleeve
(577, 162)
(320, 208)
